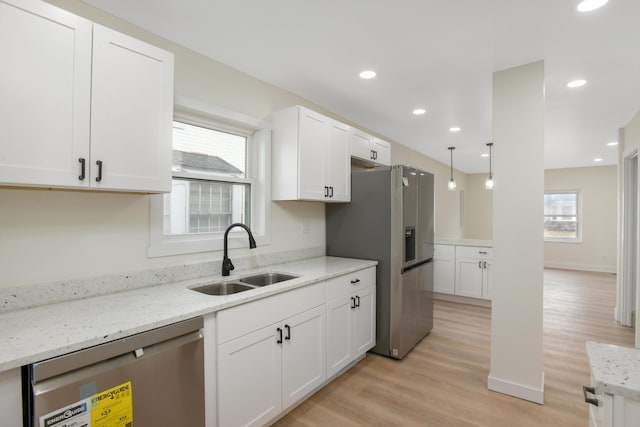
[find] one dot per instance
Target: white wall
(597, 187)
(50, 236)
(478, 208)
(516, 310)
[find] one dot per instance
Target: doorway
(627, 292)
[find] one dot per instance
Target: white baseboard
(580, 267)
(517, 390)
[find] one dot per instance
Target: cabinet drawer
(242, 319)
(444, 251)
(344, 285)
(474, 252)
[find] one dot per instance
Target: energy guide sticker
(109, 408)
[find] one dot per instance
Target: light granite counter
(38, 333)
(463, 242)
(615, 369)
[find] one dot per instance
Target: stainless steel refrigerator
(390, 219)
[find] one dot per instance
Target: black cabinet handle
(375, 155)
(591, 390)
(279, 336)
(353, 302)
(331, 191)
(288, 328)
(357, 301)
(482, 252)
(485, 265)
(326, 191)
(479, 264)
(353, 282)
(82, 168)
(99, 177)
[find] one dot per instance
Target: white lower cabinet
(264, 372)
(273, 352)
(11, 398)
(444, 268)
(473, 271)
(351, 301)
(614, 411)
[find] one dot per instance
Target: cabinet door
(444, 275)
(337, 164)
(249, 379)
(131, 113)
(303, 355)
(45, 103)
(469, 277)
(338, 334)
(360, 144)
(382, 151)
(312, 139)
(364, 321)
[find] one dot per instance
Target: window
(220, 177)
(210, 189)
(561, 216)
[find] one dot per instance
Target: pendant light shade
(452, 182)
(488, 184)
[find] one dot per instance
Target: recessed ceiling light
(577, 83)
(419, 111)
(454, 129)
(368, 74)
(612, 143)
(597, 159)
(484, 155)
(589, 5)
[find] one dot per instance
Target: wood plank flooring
(443, 381)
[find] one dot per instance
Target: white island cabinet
(614, 393)
(84, 106)
(310, 157)
(463, 269)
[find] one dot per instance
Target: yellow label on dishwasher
(112, 407)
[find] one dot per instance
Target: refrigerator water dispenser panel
(409, 244)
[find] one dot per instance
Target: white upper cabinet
(131, 113)
(46, 93)
(368, 148)
(82, 106)
(310, 157)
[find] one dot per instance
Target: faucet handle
(227, 266)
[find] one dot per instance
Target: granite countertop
(38, 333)
(615, 369)
(463, 242)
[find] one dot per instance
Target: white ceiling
(435, 54)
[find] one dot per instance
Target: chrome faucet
(227, 265)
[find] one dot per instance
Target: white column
(516, 313)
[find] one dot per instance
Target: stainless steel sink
(265, 279)
(226, 288)
(243, 284)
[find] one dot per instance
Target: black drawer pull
(482, 252)
(591, 390)
(82, 163)
(353, 282)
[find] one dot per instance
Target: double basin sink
(243, 284)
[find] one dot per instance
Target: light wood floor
(443, 381)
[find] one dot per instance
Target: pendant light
(452, 182)
(488, 184)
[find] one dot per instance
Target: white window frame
(258, 174)
(578, 238)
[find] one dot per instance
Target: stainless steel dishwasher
(152, 379)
